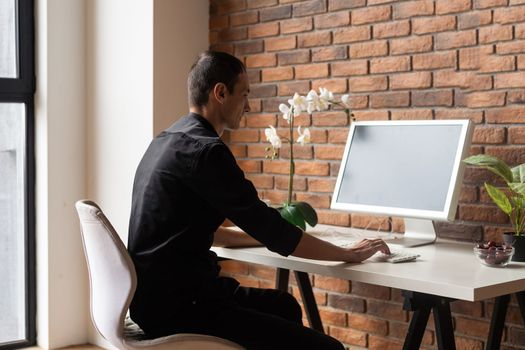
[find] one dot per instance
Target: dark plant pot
(518, 242)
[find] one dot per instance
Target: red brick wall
(427, 59)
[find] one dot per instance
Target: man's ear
(219, 92)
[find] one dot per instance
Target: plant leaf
(293, 216)
(309, 214)
(518, 187)
(518, 173)
(500, 198)
(491, 163)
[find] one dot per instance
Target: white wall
(180, 34)
(62, 290)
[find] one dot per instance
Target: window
(17, 175)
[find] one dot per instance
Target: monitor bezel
(449, 211)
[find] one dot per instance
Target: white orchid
(326, 94)
(298, 103)
(345, 100)
(286, 111)
(304, 137)
(272, 137)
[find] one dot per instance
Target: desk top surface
(446, 268)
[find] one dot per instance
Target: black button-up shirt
(186, 184)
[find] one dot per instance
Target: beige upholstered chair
(113, 281)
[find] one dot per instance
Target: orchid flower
(313, 102)
(326, 94)
(298, 103)
(272, 137)
(345, 99)
(304, 137)
(286, 111)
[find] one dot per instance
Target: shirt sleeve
(217, 178)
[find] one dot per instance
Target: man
(186, 185)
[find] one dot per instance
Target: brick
(334, 5)
(330, 217)
(248, 47)
(262, 271)
(370, 290)
(309, 168)
(447, 6)
(464, 80)
(495, 33)
(333, 318)
(244, 136)
(338, 135)
(282, 183)
(390, 99)
(387, 310)
(314, 39)
(300, 152)
(416, 80)
(233, 34)
(307, 71)
(254, 76)
(348, 68)
(349, 336)
(261, 181)
(519, 31)
(315, 200)
(467, 343)
(369, 49)
(331, 283)
(275, 13)
(425, 25)
(368, 83)
(371, 115)
(494, 63)
(280, 43)
(321, 185)
(488, 135)
(412, 114)
(472, 212)
(276, 167)
(445, 41)
(351, 34)
(250, 166)
(513, 155)
(261, 60)
(332, 20)
(516, 46)
(509, 14)
(289, 88)
(434, 60)
(258, 150)
(509, 80)
(255, 104)
(483, 4)
(474, 19)
(223, 47)
(370, 222)
(261, 120)
(296, 25)
(329, 152)
(358, 102)
(390, 64)
(471, 58)
(411, 44)
(346, 302)
(276, 74)
(293, 57)
(228, 6)
(517, 135)
(371, 15)
(330, 119)
(391, 29)
(485, 99)
(252, 4)
(399, 331)
(474, 309)
(263, 90)
(218, 22)
(234, 267)
(472, 327)
(515, 97)
(410, 9)
(307, 8)
(263, 30)
(244, 18)
(329, 53)
(432, 98)
(368, 324)
(334, 85)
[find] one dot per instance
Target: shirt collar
(203, 121)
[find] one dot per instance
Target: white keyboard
(395, 256)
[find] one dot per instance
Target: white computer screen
(403, 168)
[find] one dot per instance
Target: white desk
(447, 269)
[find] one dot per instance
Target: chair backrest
(112, 275)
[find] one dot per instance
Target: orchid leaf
(518, 187)
(500, 198)
(293, 215)
(493, 164)
(309, 214)
(518, 173)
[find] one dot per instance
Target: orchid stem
(292, 165)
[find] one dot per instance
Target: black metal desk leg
(497, 322)
(444, 328)
(310, 306)
(281, 279)
(416, 330)
(521, 302)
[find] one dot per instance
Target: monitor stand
(418, 232)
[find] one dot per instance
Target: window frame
(21, 90)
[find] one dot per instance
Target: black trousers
(256, 319)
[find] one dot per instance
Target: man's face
(236, 102)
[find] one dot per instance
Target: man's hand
(365, 248)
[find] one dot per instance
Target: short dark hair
(212, 67)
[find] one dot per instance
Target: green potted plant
(511, 201)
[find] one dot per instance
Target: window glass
(12, 227)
